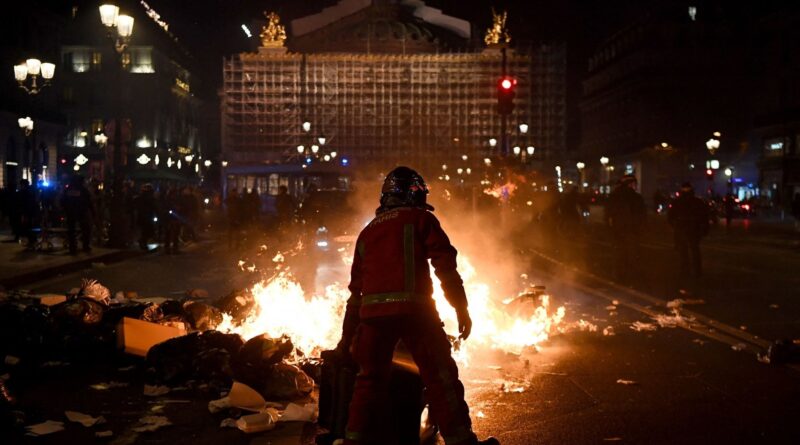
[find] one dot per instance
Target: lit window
(141, 60)
(693, 12)
(97, 60)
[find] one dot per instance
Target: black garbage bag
(22, 329)
(76, 324)
(197, 356)
(263, 350)
(201, 317)
(170, 312)
(259, 365)
(238, 304)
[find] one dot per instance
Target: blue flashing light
(738, 180)
(345, 161)
(308, 160)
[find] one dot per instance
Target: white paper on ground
(299, 413)
(151, 423)
(84, 419)
(156, 390)
(48, 427)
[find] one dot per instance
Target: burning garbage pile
(265, 341)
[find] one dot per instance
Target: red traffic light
(507, 83)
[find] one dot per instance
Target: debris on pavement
(228, 422)
(156, 390)
(11, 360)
(738, 347)
(84, 419)
(108, 385)
(774, 306)
(258, 422)
(47, 427)
(640, 326)
(151, 423)
(627, 382)
(680, 302)
(102, 434)
(608, 331)
(299, 413)
(219, 405)
(93, 290)
(673, 321)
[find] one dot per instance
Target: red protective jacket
(390, 273)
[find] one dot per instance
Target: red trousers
(373, 347)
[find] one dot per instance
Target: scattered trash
(201, 356)
(773, 306)
(739, 347)
(93, 290)
(41, 429)
(608, 331)
(151, 423)
(258, 422)
(511, 387)
(136, 337)
(11, 360)
(626, 382)
(640, 326)
(584, 325)
(102, 434)
(699, 341)
(615, 302)
(680, 302)
(673, 321)
(84, 419)
(480, 415)
(156, 390)
(219, 405)
(109, 385)
(299, 413)
(126, 368)
(197, 294)
(229, 422)
(743, 327)
(611, 308)
(201, 317)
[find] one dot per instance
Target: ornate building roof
(379, 26)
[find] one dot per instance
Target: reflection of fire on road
(314, 322)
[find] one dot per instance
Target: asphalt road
(698, 382)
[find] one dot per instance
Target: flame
(502, 192)
(314, 322)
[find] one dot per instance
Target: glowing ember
(314, 322)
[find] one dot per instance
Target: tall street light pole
(120, 29)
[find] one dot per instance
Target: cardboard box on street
(138, 336)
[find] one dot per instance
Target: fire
(313, 322)
(281, 307)
(502, 192)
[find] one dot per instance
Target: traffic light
(709, 174)
(506, 90)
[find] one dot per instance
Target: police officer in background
(689, 217)
(625, 215)
(79, 211)
(391, 300)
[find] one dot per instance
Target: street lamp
(26, 124)
(321, 140)
(301, 149)
(100, 139)
(530, 150)
(123, 25)
(492, 142)
(314, 148)
(712, 145)
(334, 154)
(523, 128)
(580, 165)
(464, 157)
(604, 161)
(306, 126)
(34, 68)
(517, 150)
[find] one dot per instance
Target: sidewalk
(19, 267)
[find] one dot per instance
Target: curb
(33, 276)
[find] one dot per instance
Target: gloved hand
(464, 323)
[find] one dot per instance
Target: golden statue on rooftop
(498, 33)
(273, 33)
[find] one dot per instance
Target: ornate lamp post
(120, 30)
(33, 68)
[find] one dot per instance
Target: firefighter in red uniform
(391, 300)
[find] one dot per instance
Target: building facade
(660, 88)
(147, 88)
(382, 83)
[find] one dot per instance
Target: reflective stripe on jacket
(390, 273)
